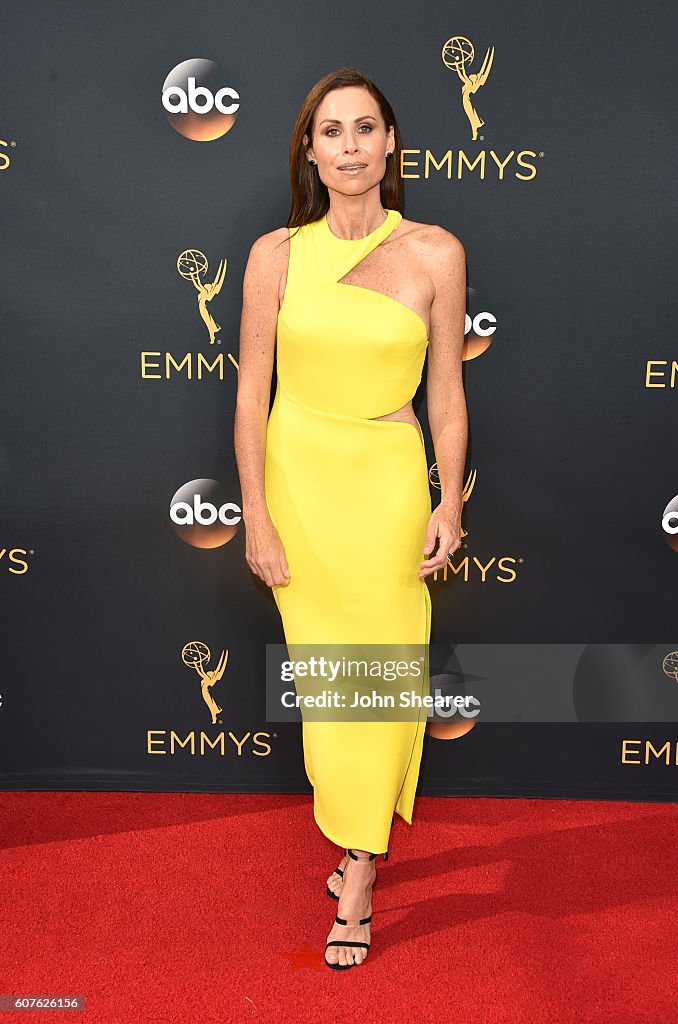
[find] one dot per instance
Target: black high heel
(343, 920)
(338, 871)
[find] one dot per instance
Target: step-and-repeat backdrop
(143, 148)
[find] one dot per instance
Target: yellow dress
(349, 496)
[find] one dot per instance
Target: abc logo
(478, 333)
(670, 523)
(196, 102)
(202, 515)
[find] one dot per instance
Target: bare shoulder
(442, 258)
(434, 243)
(267, 264)
(271, 247)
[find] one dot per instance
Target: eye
(368, 126)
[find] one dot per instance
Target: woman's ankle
(361, 855)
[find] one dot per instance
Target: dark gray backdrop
(575, 458)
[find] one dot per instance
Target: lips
(353, 167)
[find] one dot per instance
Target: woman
(336, 501)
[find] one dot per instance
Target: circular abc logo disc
(197, 103)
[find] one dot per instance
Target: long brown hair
(310, 198)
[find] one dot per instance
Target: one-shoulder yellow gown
(349, 496)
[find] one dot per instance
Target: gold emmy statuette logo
(670, 666)
(195, 654)
(192, 265)
(457, 53)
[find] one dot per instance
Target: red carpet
(201, 908)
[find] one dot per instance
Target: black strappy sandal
(343, 920)
(339, 871)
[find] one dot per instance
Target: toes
(335, 883)
(345, 956)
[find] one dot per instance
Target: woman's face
(349, 129)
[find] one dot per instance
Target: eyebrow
(334, 120)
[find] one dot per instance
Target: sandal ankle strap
(371, 856)
(342, 920)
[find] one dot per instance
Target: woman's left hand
(445, 525)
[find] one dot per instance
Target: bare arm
(266, 263)
(446, 401)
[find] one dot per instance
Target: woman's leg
(355, 904)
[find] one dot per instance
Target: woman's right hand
(264, 550)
